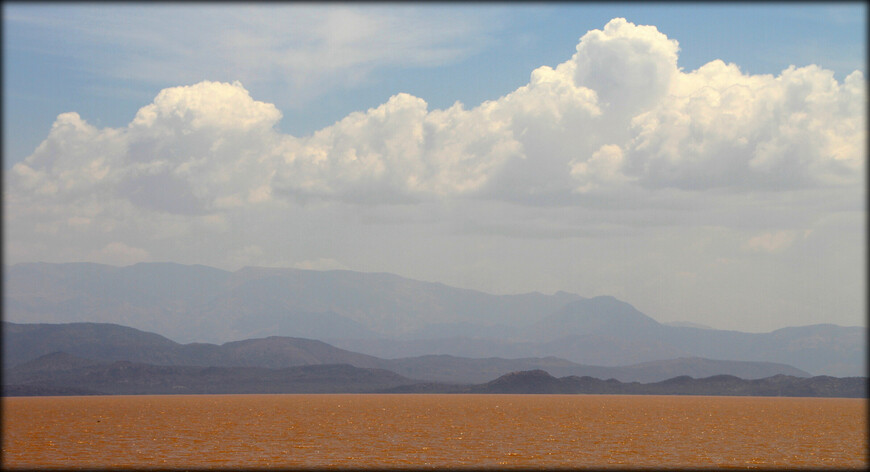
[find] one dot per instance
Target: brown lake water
(418, 431)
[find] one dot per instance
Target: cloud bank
(617, 126)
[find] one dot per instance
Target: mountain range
(101, 343)
(390, 318)
(538, 381)
(60, 373)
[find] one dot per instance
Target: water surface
(353, 431)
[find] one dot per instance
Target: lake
(405, 431)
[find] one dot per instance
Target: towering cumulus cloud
(619, 117)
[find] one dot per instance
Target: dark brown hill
(98, 341)
(530, 381)
(780, 385)
(105, 342)
(134, 378)
(445, 368)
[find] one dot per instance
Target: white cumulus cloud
(617, 118)
(720, 128)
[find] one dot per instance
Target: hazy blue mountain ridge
(199, 304)
(107, 343)
(602, 315)
(385, 315)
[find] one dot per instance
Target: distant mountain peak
(602, 315)
(524, 382)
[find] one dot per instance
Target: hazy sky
(701, 162)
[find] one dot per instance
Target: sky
(703, 162)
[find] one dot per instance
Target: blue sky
(51, 66)
(719, 182)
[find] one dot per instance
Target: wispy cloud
(308, 49)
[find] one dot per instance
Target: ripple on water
(433, 430)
